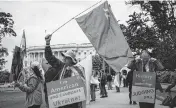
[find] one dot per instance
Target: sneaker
(102, 97)
(130, 102)
(92, 100)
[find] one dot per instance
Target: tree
(4, 76)
(97, 62)
(154, 27)
(6, 29)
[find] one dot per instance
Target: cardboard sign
(66, 91)
(143, 88)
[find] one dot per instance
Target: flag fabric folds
(103, 31)
(17, 63)
(18, 57)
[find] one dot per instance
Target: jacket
(56, 71)
(34, 90)
(154, 65)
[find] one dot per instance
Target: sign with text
(143, 88)
(66, 91)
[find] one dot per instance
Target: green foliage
(153, 28)
(165, 76)
(7, 22)
(97, 62)
(4, 76)
(6, 28)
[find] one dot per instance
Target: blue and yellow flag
(103, 31)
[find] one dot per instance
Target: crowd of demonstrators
(35, 84)
(146, 64)
(109, 81)
(33, 87)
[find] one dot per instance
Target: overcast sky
(36, 17)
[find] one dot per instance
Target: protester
(117, 81)
(103, 82)
(146, 64)
(99, 79)
(93, 83)
(65, 69)
(33, 87)
(130, 81)
(109, 81)
(124, 75)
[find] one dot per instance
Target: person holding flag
(33, 87)
(65, 69)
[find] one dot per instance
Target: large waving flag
(103, 31)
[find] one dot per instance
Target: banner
(66, 91)
(143, 88)
(87, 64)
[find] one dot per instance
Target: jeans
(130, 91)
(109, 85)
(117, 88)
(104, 92)
(92, 91)
(125, 83)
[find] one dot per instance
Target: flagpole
(75, 17)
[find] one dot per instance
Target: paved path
(117, 100)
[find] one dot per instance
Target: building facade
(36, 53)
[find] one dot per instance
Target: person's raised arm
(52, 60)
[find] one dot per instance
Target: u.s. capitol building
(36, 53)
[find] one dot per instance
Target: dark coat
(54, 72)
(56, 64)
(130, 78)
(154, 65)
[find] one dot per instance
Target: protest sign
(143, 88)
(66, 91)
